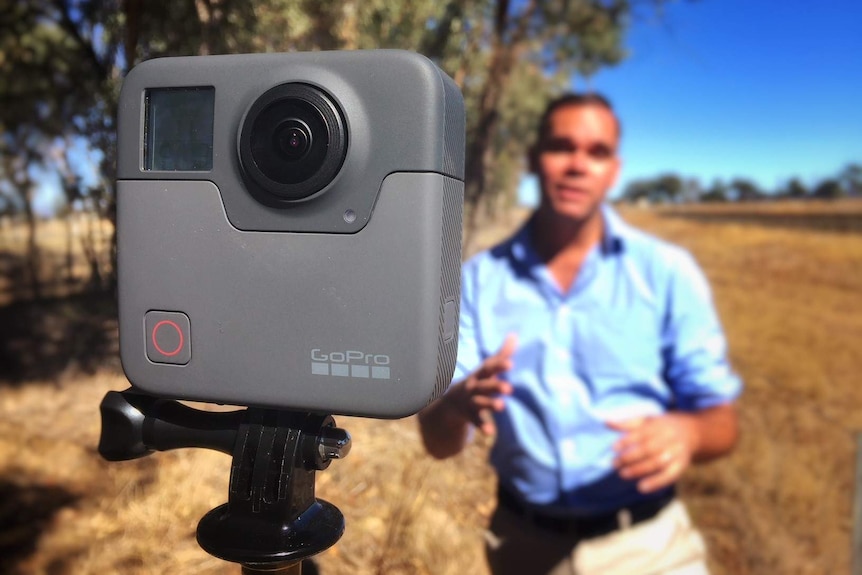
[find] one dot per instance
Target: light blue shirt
(636, 335)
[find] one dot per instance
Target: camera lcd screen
(179, 129)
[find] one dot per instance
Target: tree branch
(435, 42)
(67, 24)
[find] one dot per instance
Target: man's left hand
(655, 450)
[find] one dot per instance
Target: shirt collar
(616, 231)
(613, 239)
(521, 246)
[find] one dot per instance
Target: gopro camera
(289, 230)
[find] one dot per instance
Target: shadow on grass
(42, 339)
(25, 511)
(845, 223)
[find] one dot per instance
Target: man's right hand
(445, 424)
(481, 393)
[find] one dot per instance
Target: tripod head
(272, 519)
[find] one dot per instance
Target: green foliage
(851, 179)
(717, 192)
(794, 189)
(829, 189)
(745, 190)
(667, 188)
(37, 58)
(62, 61)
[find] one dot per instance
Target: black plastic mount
(272, 518)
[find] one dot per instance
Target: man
(593, 352)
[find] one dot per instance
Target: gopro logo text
(350, 363)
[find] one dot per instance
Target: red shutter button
(168, 337)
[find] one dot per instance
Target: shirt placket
(563, 388)
(569, 390)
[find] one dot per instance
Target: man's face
(576, 160)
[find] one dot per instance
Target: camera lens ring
(274, 176)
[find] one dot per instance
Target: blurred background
(742, 141)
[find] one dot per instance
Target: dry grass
(61, 247)
(780, 504)
(405, 513)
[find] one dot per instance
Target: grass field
(787, 280)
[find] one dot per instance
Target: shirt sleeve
(694, 346)
(469, 357)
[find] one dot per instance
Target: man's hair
(573, 99)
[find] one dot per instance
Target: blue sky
(763, 89)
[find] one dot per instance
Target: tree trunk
(70, 241)
(508, 40)
(33, 255)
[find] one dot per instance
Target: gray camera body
(289, 230)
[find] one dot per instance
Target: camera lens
(293, 139)
(292, 143)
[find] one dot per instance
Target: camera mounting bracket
(272, 520)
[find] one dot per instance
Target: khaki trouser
(667, 544)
